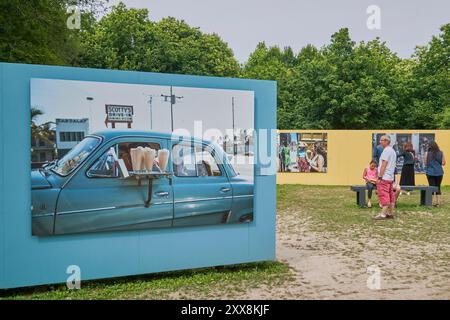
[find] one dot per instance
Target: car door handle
(162, 193)
(225, 190)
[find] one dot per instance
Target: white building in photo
(69, 132)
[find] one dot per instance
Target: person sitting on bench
(370, 176)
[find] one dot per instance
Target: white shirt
(390, 156)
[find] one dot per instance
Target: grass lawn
(324, 245)
(330, 243)
(206, 282)
(333, 209)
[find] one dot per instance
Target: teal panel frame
(27, 260)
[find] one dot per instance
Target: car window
(183, 156)
(75, 156)
(206, 163)
(194, 161)
(125, 149)
(106, 165)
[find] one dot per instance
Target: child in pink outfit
(370, 176)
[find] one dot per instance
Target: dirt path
(331, 245)
(334, 266)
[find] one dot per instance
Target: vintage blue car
(87, 190)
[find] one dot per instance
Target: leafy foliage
(343, 85)
(358, 86)
(35, 31)
(126, 39)
(42, 131)
(430, 79)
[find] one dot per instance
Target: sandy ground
(331, 266)
(334, 266)
(411, 254)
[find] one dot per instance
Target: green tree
(42, 131)
(362, 87)
(309, 94)
(271, 63)
(268, 63)
(343, 85)
(430, 82)
(35, 31)
(179, 48)
(118, 41)
(126, 39)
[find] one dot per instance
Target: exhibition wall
(27, 260)
(348, 152)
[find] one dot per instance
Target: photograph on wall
(115, 156)
(412, 146)
(302, 152)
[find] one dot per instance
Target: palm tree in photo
(42, 131)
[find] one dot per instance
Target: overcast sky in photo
(67, 99)
(296, 23)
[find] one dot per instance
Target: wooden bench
(426, 194)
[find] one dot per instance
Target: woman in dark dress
(434, 161)
(407, 177)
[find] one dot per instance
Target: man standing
(386, 176)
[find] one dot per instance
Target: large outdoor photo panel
(302, 152)
(419, 141)
(116, 156)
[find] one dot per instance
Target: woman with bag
(434, 162)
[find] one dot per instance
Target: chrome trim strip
(203, 199)
(214, 198)
(141, 204)
(42, 215)
(110, 208)
(86, 210)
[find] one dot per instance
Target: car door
(96, 198)
(202, 191)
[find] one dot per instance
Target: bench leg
(426, 198)
(361, 198)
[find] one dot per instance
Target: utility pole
(234, 133)
(150, 104)
(151, 112)
(173, 99)
(90, 99)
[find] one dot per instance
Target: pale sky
(243, 23)
(67, 99)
